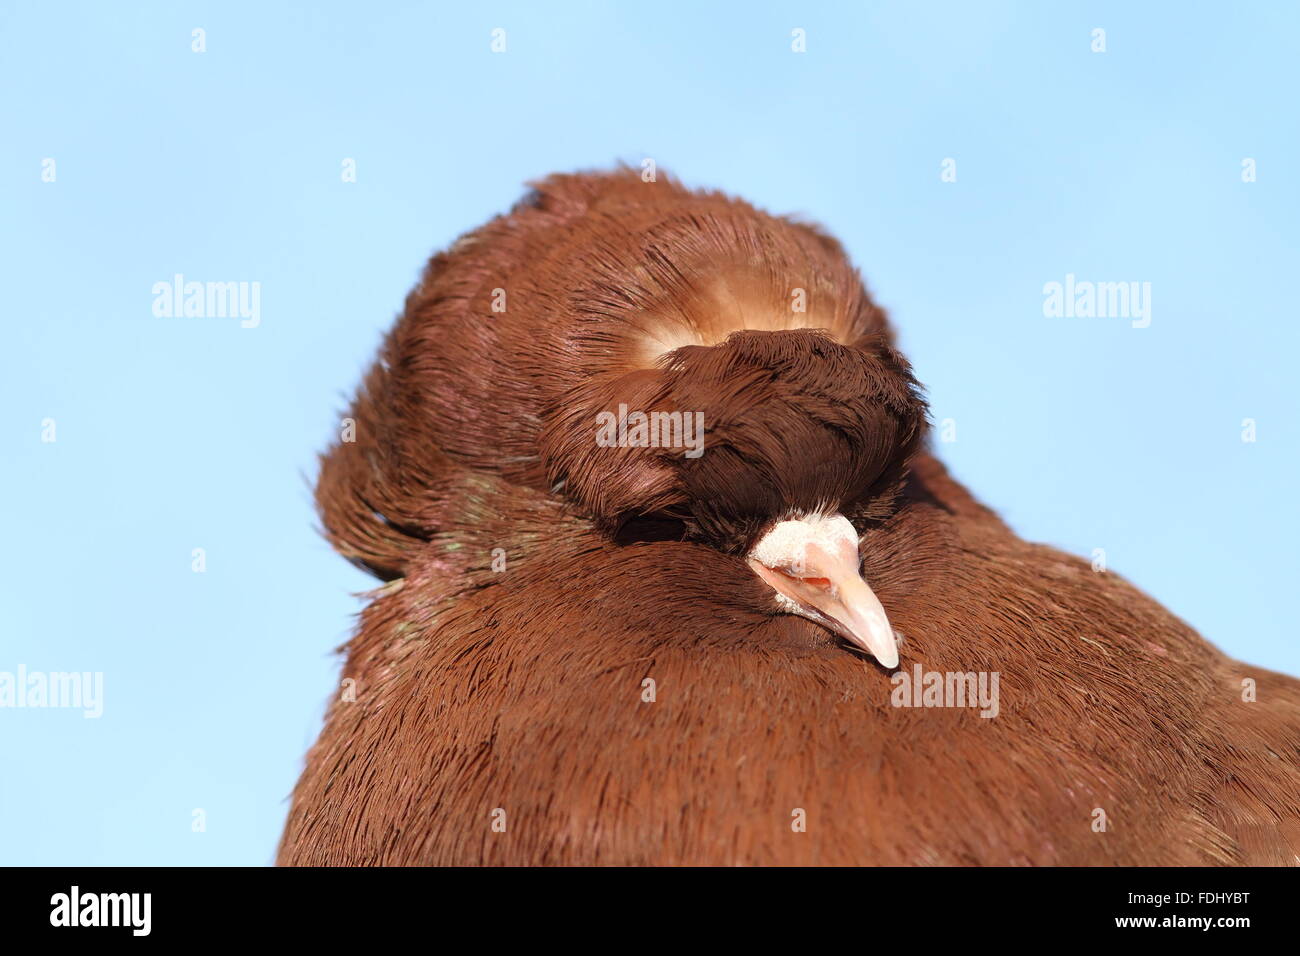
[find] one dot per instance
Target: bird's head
(790, 445)
(670, 365)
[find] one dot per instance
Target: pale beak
(823, 581)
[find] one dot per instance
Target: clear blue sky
(174, 434)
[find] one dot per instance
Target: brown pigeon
(671, 578)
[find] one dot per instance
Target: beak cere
(812, 564)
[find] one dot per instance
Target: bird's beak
(824, 582)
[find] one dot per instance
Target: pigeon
(670, 576)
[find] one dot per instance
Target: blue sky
(174, 434)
